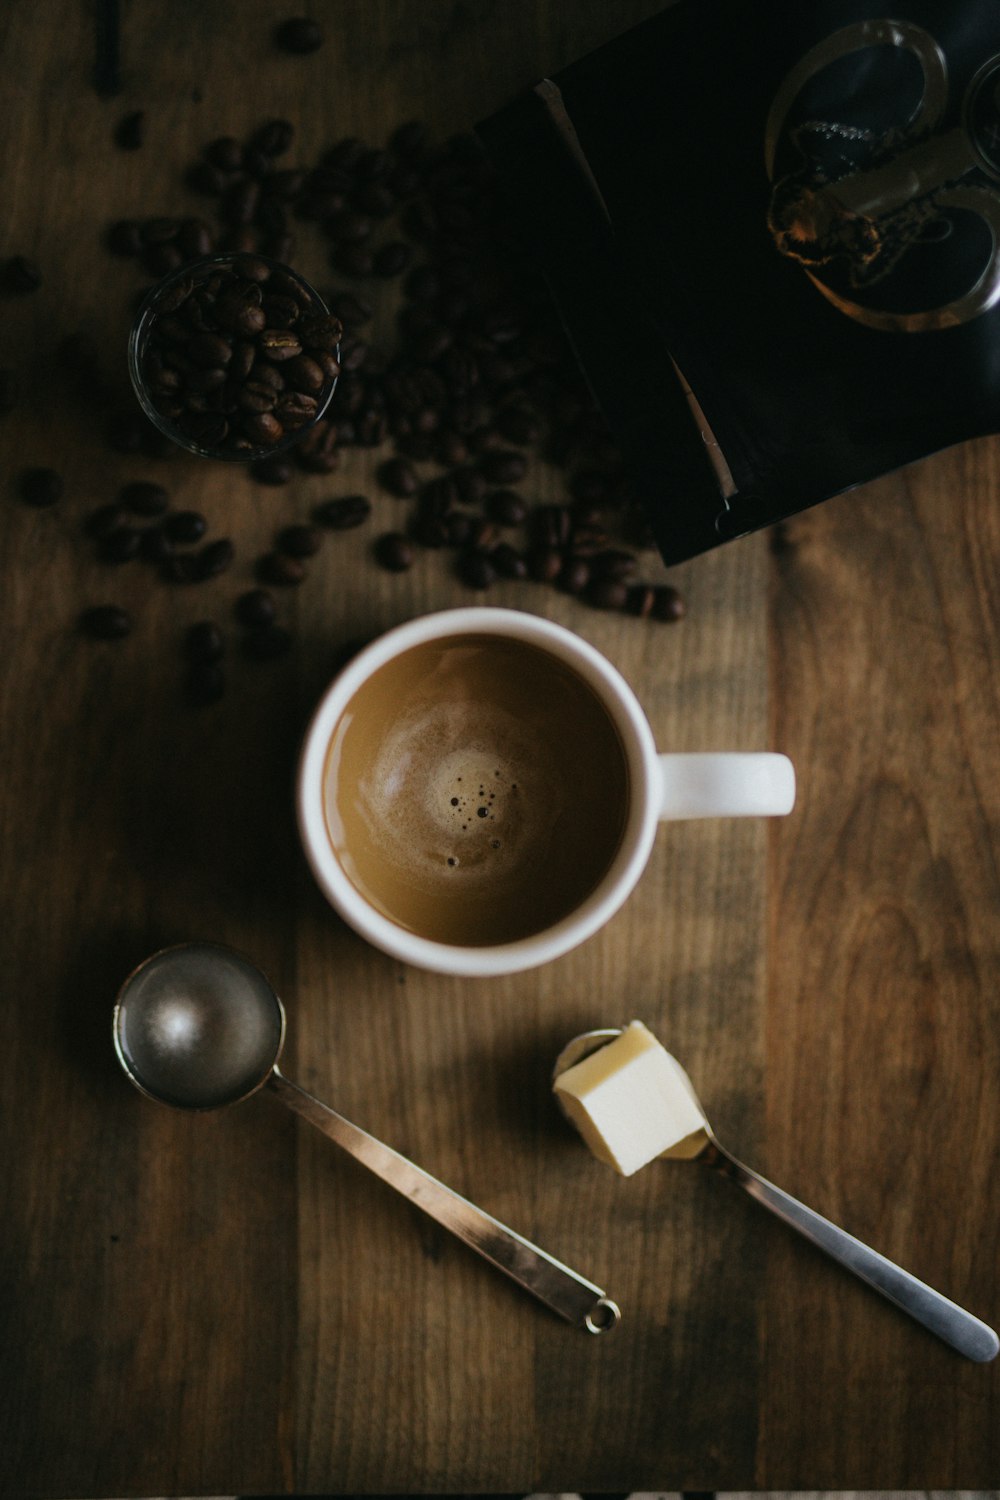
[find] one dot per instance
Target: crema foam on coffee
(475, 790)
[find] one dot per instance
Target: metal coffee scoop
(950, 1322)
(198, 1027)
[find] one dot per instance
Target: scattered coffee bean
(255, 608)
(506, 508)
(508, 561)
(343, 513)
(106, 622)
(503, 466)
(280, 569)
(154, 545)
(40, 487)
(204, 642)
(275, 470)
(299, 540)
(398, 477)
(130, 132)
(103, 521)
(544, 564)
(613, 565)
(125, 238)
(144, 498)
(299, 35)
(20, 276)
(574, 575)
(120, 545)
(185, 527)
(273, 138)
(475, 568)
(394, 552)
(668, 605)
(607, 593)
(215, 557)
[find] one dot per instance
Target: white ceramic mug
(662, 787)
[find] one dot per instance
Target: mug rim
(614, 886)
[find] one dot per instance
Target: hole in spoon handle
(603, 1316)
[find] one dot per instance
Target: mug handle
(726, 784)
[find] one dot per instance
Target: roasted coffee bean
(394, 552)
(263, 428)
(475, 568)
(607, 593)
(185, 527)
(640, 600)
(506, 508)
(409, 139)
(588, 541)
(102, 521)
(160, 260)
(106, 622)
(279, 344)
(295, 409)
(518, 424)
(378, 200)
(226, 153)
(343, 513)
(508, 562)
(255, 608)
(154, 546)
(120, 545)
(544, 563)
(398, 477)
(280, 312)
(159, 231)
(209, 349)
(21, 275)
(267, 642)
(614, 564)
(299, 35)
(274, 137)
(204, 642)
(668, 605)
(195, 238)
(460, 528)
(205, 683)
(215, 557)
(40, 487)
(550, 526)
(321, 331)
(280, 569)
(130, 132)
(574, 575)
(304, 374)
(144, 498)
(275, 470)
(317, 452)
(299, 540)
(239, 311)
(503, 466)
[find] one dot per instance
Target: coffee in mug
(475, 789)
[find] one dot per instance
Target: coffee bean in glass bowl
(217, 372)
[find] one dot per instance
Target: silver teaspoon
(198, 1027)
(937, 1313)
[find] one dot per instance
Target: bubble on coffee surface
(464, 811)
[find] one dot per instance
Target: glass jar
(234, 357)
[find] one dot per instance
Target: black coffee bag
(773, 234)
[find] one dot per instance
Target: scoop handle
(942, 1317)
(563, 1290)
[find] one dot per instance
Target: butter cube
(631, 1101)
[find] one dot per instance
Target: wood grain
(222, 1304)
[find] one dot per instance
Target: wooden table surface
(223, 1304)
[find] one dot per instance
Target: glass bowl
(234, 357)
